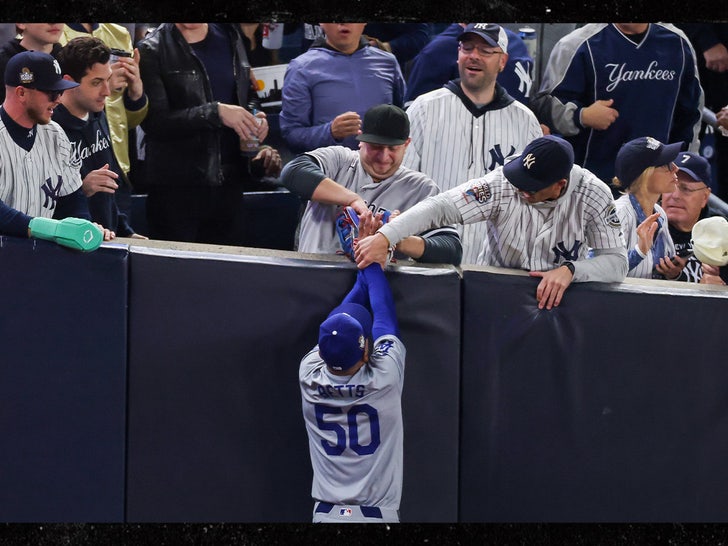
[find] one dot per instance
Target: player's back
(354, 426)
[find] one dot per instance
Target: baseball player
(351, 389)
(371, 178)
(38, 178)
(543, 214)
(468, 127)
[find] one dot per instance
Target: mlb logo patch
(345, 512)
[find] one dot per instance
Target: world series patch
(612, 218)
(480, 192)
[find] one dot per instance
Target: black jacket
(183, 127)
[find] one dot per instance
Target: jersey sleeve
(567, 84)
(381, 302)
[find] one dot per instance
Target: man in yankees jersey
(351, 391)
(38, 178)
(608, 83)
(543, 214)
(371, 178)
(466, 128)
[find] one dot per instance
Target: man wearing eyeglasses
(39, 179)
(468, 127)
(685, 206)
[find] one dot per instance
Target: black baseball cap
(385, 124)
(544, 161)
(36, 70)
(640, 153)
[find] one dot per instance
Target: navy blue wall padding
(215, 426)
(62, 382)
(609, 408)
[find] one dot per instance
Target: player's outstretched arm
(381, 302)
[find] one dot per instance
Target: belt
(366, 511)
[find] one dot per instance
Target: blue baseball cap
(695, 165)
(494, 35)
(640, 153)
(36, 70)
(544, 161)
(343, 336)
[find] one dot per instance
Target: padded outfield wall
(156, 381)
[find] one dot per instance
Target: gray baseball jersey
(398, 192)
(520, 235)
(32, 181)
(452, 143)
(354, 426)
(628, 218)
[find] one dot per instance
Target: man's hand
(125, 74)
(671, 268)
(599, 115)
(243, 122)
(716, 58)
(271, 160)
(372, 249)
(722, 117)
(553, 284)
(100, 180)
(345, 125)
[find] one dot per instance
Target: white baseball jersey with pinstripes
(398, 192)
(520, 235)
(32, 181)
(451, 145)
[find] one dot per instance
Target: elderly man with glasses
(685, 207)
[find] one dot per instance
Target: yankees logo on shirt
(454, 141)
(32, 180)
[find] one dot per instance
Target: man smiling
(371, 178)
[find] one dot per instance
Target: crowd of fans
(172, 111)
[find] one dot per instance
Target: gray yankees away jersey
(354, 426)
(398, 192)
(32, 181)
(521, 235)
(452, 145)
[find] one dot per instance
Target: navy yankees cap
(36, 70)
(695, 166)
(544, 161)
(385, 124)
(343, 335)
(640, 153)
(493, 34)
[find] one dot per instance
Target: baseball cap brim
(668, 153)
(375, 139)
(490, 41)
(519, 177)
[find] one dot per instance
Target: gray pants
(324, 512)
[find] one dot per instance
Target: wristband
(570, 267)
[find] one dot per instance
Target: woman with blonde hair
(645, 169)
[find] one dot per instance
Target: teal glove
(71, 232)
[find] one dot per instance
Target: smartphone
(684, 252)
(116, 53)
